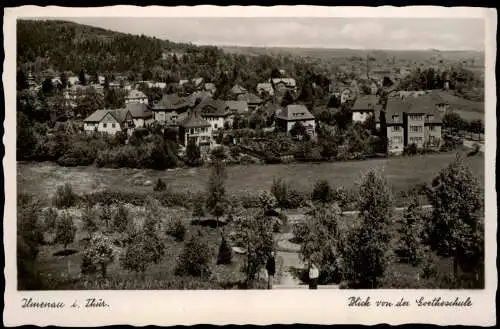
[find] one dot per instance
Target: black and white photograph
(250, 153)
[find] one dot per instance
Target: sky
(330, 32)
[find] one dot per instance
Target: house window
(415, 117)
(432, 128)
(395, 118)
(430, 117)
(396, 128)
(397, 139)
(416, 140)
(416, 129)
(104, 125)
(215, 126)
(112, 125)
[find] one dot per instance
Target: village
(204, 167)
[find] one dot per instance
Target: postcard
(249, 165)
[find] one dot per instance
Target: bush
(225, 253)
(280, 191)
(195, 257)
(50, 220)
(322, 192)
(160, 185)
(121, 219)
(65, 230)
(176, 229)
(65, 197)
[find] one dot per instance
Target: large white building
(109, 121)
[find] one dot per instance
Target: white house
(109, 121)
(136, 96)
(294, 113)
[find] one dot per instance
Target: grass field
(402, 173)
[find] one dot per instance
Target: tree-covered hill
(67, 46)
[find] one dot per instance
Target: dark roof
(139, 110)
(237, 106)
(425, 104)
(172, 102)
(194, 120)
(365, 102)
(250, 98)
(295, 112)
(97, 116)
(212, 107)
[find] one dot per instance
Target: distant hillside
(67, 46)
(379, 55)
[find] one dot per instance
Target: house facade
(195, 128)
(411, 121)
(109, 121)
(216, 112)
(290, 115)
(167, 110)
(141, 114)
(136, 96)
(265, 88)
(281, 85)
(364, 107)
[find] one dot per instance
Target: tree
(298, 130)
(410, 244)
(134, 258)
(121, 219)
(457, 220)
(89, 221)
(82, 78)
(343, 117)
(193, 153)
(47, 87)
(65, 230)
(98, 253)
(22, 81)
(321, 240)
(225, 253)
(287, 99)
(366, 256)
(254, 234)
(216, 190)
(64, 197)
(50, 220)
(198, 209)
(106, 216)
(195, 257)
(454, 121)
(322, 192)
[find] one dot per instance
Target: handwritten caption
(88, 303)
(402, 302)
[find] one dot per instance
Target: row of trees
(362, 255)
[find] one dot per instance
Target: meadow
(402, 173)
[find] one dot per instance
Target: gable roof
(194, 120)
(237, 106)
(237, 89)
(250, 98)
(365, 102)
(119, 115)
(290, 82)
(212, 108)
(139, 110)
(295, 112)
(425, 104)
(267, 86)
(172, 102)
(136, 94)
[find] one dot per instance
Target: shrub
(280, 191)
(176, 229)
(65, 230)
(121, 219)
(412, 149)
(65, 197)
(195, 257)
(89, 221)
(50, 220)
(160, 185)
(98, 253)
(322, 192)
(225, 253)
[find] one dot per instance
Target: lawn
(402, 173)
